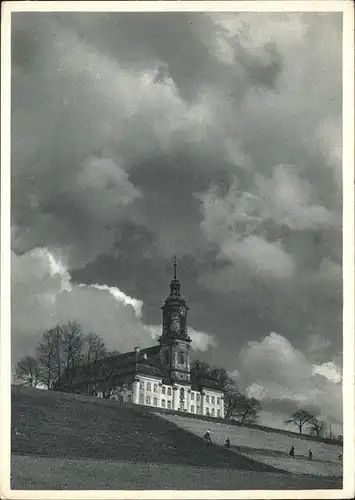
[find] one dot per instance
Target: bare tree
(316, 427)
(59, 352)
(28, 371)
(73, 343)
(48, 359)
(300, 418)
(94, 348)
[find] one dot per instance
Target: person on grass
(207, 436)
(292, 452)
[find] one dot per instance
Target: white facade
(152, 392)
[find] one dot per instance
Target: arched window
(182, 394)
(169, 391)
(163, 403)
(169, 405)
(207, 411)
(212, 412)
(181, 358)
(148, 400)
(149, 386)
(155, 387)
(141, 385)
(218, 413)
(141, 399)
(163, 390)
(207, 399)
(212, 400)
(192, 409)
(155, 402)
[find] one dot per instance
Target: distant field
(76, 442)
(270, 448)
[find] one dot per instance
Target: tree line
(304, 419)
(60, 350)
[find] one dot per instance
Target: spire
(175, 266)
(175, 283)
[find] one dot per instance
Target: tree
(245, 410)
(94, 348)
(316, 427)
(28, 371)
(300, 418)
(60, 351)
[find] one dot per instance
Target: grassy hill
(68, 441)
(270, 448)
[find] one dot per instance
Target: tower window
(181, 358)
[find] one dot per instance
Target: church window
(163, 390)
(218, 401)
(192, 409)
(181, 358)
(163, 403)
(218, 413)
(155, 402)
(169, 405)
(192, 396)
(212, 400)
(148, 400)
(155, 387)
(207, 399)
(149, 386)
(169, 391)
(197, 397)
(182, 394)
(141, 399)
(141, 385)
(212, 412)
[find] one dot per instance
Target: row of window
(167, 404)
(149, 386)
(167, 390)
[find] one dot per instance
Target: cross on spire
(175, 266)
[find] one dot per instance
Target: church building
(155, 376)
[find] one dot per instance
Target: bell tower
(174, 341)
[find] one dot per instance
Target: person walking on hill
(292, 452)
(310, 455)
(207, 436)
(228, 443)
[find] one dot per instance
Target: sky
(212, 136)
